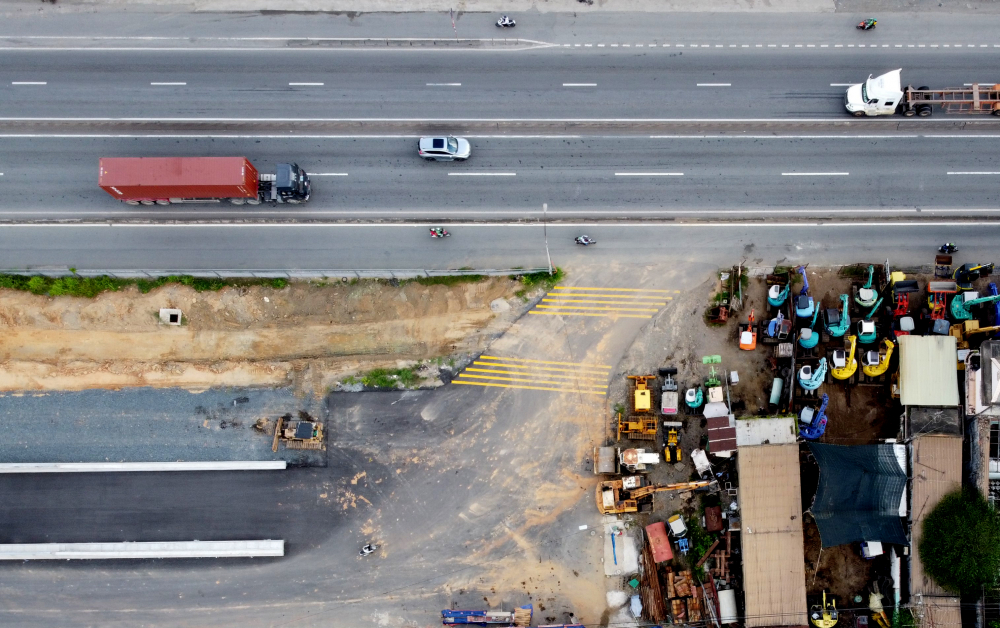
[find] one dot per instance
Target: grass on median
(391, 379)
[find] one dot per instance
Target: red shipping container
(163, 178)
(658, 542)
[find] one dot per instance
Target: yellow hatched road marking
(610, 315)
(617, 289)
(589, 376)
(597, 302)
(536, 381)
(585, 392)
(600, 309)
(586, 370)
(494, 357)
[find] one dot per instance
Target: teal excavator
(811, 379)
(776, 294)
(837, 323)
(867, 333)
(808, 338)
(960, 307)
(866, 294)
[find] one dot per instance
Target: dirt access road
(306, 335)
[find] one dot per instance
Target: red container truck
(166, 180)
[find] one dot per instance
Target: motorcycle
(505, 22)
(585, 240)
(948, 248)
(867, 25)
(438, 232)
(368, 549)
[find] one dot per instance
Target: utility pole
(545, 231)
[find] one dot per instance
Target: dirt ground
(307, 334)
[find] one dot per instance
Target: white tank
(727, 607)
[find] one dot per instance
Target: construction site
(773, 467)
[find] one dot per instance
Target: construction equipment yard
(689, 481)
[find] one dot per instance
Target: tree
(960, 547)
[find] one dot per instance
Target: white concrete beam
(171, 549)
(130, 467)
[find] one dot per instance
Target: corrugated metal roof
(774, 576)
(937, 471)
(927, 371)
(721, 434)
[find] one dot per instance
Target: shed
(928, 371)
(773, 570)
(936, 471)
(721, 435)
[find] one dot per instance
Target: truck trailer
(166, 180)
(884, 95)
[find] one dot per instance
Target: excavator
(812, 423)
(808, 338)
(867, 333)
(874, 363)
(748, 334)
(810, 379)
(968, 273)
(960, 307)
(837, 323)
(776, 294)
(804, 305)
(844, 362)
(866, 294)
(620, 496)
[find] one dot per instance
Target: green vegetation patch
(450, 280)
(541, 279)
(90, 287)
(388, 378)
(960, 547)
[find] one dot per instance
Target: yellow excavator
(874, 363)
(844, 362)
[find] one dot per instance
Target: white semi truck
(884, 96)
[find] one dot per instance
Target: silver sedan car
(444, 148)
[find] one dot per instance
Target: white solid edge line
(482, 174)
(29, 83)
(815, 174)
(327, 174)
(649, 174)
(306, 84)
(164, 84)
(974, 173)
(714, 84)
(641, 225)
(579, 84)
(444, 85)
(336, 136)
(832, 119)
(841, 84)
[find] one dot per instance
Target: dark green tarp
(858, 496)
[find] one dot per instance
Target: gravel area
(149, 425)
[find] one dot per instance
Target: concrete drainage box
(170, 316)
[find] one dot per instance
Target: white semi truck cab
(878, 96)
(884, 95)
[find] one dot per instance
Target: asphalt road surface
(362, 178)
(244, 248)
(494, 84)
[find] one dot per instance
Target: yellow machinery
(876, 362)
(672, 446)
(844, 362)
(642, 400)
(620, 496)
(825, 616)
(298, 434)
(641, 423)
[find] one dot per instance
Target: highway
(497, 83)
(592, 177)
(313, 248)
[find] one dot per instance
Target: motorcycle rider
(948, 247)
(438, 232)
(584, 240)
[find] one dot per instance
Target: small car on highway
(444, 148)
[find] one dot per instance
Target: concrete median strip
(132, 467)
(169, 549)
